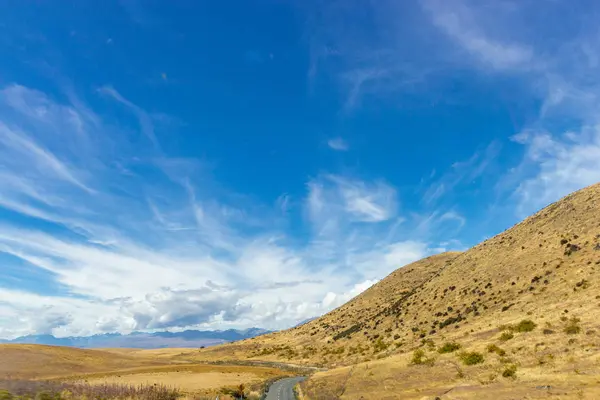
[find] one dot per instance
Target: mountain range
(143, 340)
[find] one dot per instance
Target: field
(189, 378)
(127, 368)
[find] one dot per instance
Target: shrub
(348, 332)
(419, 358)
(5, 395)
(506, 336)
(525, 325)
(492, 348)
(429, 343)
(450, 321)
(510, 371)
(449, 347)
(379, 345)
(47, 395)
(471, 358)
(572, 329)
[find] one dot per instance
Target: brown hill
(544, 270)
(32, 361)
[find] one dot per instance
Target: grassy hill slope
(31, 361)
(531, 291)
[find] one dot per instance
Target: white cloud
(462, 173)
(145, 121)
(560, 143)
(332, 196)
(457, 21)
(28, 151)
(338, 144)
(176, 251)
(558, 165)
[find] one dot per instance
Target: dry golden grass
(127, 366)
(545, 269)
(199, 378)
(166, 354)
(38, 361)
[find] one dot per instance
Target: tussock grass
(48, 390)
(471, 358)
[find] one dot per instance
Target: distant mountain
(143, 340)
(306, 321)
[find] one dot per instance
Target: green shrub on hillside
(419, 358)
(525, 325)
(492, 348)
(471, 358)
(449, 347)
(379, 345)
(510, 372)
(5, 395)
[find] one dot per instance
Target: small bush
(492, 348)
(429, 343)
(449, 347)
(506, 336)
(419, 358)
(471, 358)
(510, 372)
(47, 395)
(5, 395)
(572, 329)
(380, 345)
(525, 325)
(353, 329)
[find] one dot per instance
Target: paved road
(283, 389)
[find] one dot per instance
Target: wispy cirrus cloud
(338, 144)
(549, 52)
(460, 21)
(435, 188)
(136, 239)
(561, 144)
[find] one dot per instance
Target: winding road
(283, 389)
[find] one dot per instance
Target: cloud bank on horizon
(163, 166)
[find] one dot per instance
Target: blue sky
(255, 163)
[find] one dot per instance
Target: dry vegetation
(26, 361)
(514, 317)
(523, 306)
(64, 372)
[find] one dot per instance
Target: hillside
(544, 269)
(39, 361)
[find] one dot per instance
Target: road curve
(283, 389)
